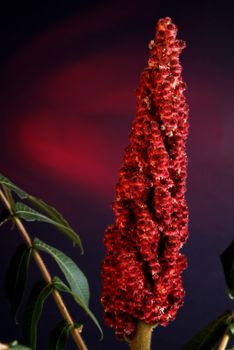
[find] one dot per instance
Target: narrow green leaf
(209, 336)
(7, 183)
(20, 347)
(33, 312)
(16, 277)
(59, 335)
(46, 209)
(227, 259)
(230, 323)
(61, 286)
(24, 212)
(14, 345)
(74, 276)
(50, 213)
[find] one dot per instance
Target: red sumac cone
(142, 268)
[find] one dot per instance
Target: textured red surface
(143, 265)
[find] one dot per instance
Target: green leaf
(47, 210)
(19, 347)
(230, 323)
(59, 335)
(209, 336)
(50, 213)
(61, 286)
(33, 312)
(8, 184)
(24, 212)
(227, 259)
(74, 276)
(14, 345)
(16, 277)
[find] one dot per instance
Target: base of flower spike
(142, 339)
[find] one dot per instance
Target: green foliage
(18, 268)
(74, 276)
(24, 212)
(227, 259)
(61, 286)
(16, 277)
(59, 336)
(209, 336)
(51, 212)
(46, 213)
(230, 324)
(14, 345)
(11, 186)
(33, 312)
(19, 347)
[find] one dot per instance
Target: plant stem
(224, 341)
(142, 339)
(225, 338)
(46, 275)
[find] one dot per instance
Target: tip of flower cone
(164, 23)
(165, 37)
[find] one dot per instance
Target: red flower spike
(142, 268)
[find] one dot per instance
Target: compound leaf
(59, 335)
(33, 312)
(209, 336)
(11, 186)
(51, 215)
(74, 276)
(16, 277)
(23, 211)
(61, 286)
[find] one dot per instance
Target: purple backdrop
(67, 96)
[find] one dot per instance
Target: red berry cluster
(142, 268)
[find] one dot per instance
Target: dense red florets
(143, 265)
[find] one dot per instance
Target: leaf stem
(142, 339)
(46, 275)
(225, 339)
(3, 346)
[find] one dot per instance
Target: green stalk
(142, 339)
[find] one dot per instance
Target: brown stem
(46, 275)
(142, 339)
(224, 341)
(3, 346)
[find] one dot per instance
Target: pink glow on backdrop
(75, 150)
(72, 114)
(69, 129)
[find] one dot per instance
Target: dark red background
(68, 76)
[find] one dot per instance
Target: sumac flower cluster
(143, 264)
